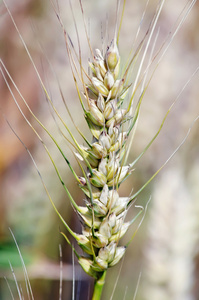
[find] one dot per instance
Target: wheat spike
(103, 217)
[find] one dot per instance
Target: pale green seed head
(109, 80)
(100, 87)
(86, 265)
(99, 265)
(104, 195)
(85, 244)
(112, 56)
(102, 167)
(98, 150)
(105, 229)
(98, 179)
(119, 253)
(105, 140)
(110, 109)
(101, 102)
(99, 208)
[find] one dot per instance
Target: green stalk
(98, 287)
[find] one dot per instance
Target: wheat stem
(98, 287)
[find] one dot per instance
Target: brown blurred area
(20, 68)
(24, 205)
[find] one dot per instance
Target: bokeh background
(162, 262)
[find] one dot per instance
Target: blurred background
(163, 259)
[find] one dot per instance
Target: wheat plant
(169, 270)
(110, 94)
